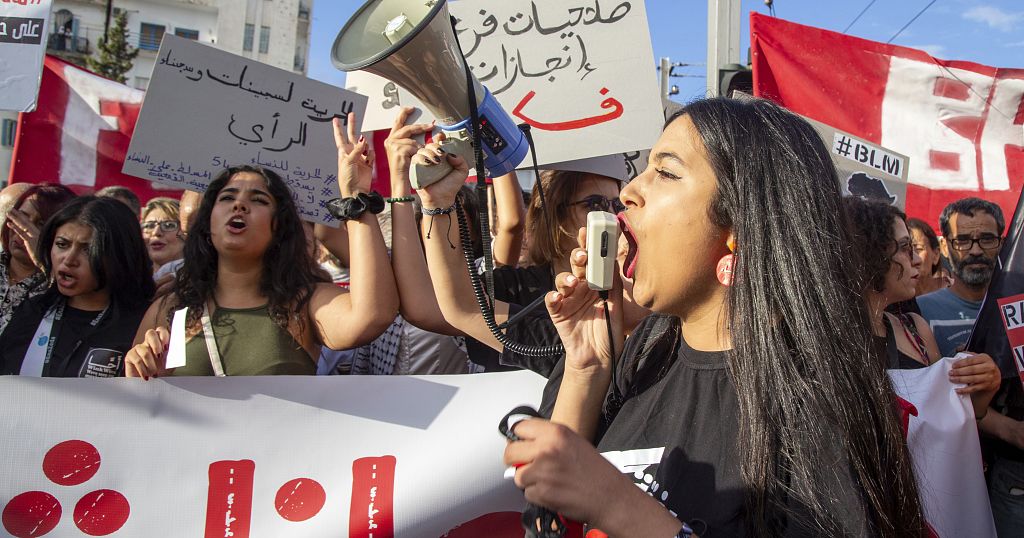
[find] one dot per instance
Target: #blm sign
(579, 73)
(865, 169)
(23, 29)
(207, 109)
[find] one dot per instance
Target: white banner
(360, 456)
(943, 441)
(580, 72)
(207, 109)
(24, 28)
(370, 456)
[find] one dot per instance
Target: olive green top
(250, 343)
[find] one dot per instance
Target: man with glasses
(972, 231)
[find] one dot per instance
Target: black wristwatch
(352, 208)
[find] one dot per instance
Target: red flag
(961, 123)
(79, 134)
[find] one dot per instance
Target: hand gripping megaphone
(412, 43)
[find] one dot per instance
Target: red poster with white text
(1012, 311)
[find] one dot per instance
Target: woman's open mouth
(629, 264)
(236, 225)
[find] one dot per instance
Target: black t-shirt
(80, 350)
(684, 401)
(519, 286)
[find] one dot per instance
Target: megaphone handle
(421, 175)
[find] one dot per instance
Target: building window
(187, 34)
(264, 39)
(247, 41)
(7, 133)
(150, 36)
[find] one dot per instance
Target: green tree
(115, 54)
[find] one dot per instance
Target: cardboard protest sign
(289, 456)
(865, 169)
(207, 109)
(564, 68)
(23, 31)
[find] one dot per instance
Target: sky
(989, 32)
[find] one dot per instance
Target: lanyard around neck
(40, 350)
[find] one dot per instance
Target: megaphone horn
(412, 43)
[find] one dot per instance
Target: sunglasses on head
(596, 202)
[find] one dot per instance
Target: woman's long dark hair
(812, 398)
(289, 272)
(871, 223)
(117, 253)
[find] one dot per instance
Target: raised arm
(335, 240)
(448, 271)
(418, 304)
(509, 221)
(344, 320)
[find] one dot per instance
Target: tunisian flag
(960, 123)
(79, 133)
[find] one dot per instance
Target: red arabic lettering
(609, 103)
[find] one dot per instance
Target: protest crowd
(267, 294)
(756, 311)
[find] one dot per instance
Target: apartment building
(275, 32)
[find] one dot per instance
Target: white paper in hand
(176, 348)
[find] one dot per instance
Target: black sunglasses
(596, 202)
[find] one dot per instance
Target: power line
(859, 15)
(911, 21)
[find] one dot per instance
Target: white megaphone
(411, 43)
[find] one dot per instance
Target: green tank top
(250, 343)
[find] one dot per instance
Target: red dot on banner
(101, 512)
(30, 514)
(71, 463)
(300, 499)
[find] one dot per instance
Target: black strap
(58, 324)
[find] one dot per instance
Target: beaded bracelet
(409, 198)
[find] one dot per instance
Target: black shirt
(684, 400)
(80, 350)
(519, 286)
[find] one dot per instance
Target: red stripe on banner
(38, 146)
(229, 499)
(944, 160)
(36, 157)
(371, 513)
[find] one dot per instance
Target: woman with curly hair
(888, 272)
(257, 304)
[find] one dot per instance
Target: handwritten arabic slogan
(579, 72)
(22, 26)
(207, 109)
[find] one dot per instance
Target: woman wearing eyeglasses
(160, 229)
(888, 273)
